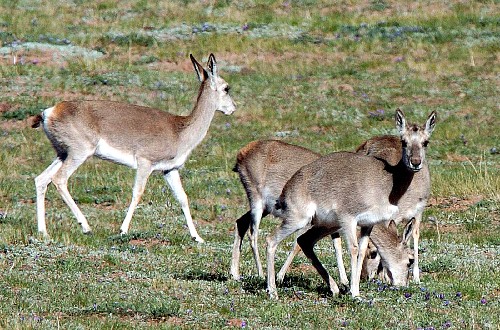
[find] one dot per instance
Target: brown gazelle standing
(343, 190)
(264, 168)
(142, 138)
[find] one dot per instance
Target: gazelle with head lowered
(343, 190)
(142, 138)
(264, 168)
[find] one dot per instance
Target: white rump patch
(47, 112)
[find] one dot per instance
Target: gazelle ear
(212, 71)
(212, 65)
(200, 72)
(430, 123)
(392, 227)
(400, 121)
(407, 232)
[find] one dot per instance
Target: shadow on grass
(200, 275)
(156, 310)
(255, 284)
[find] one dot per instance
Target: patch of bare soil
(239, 323)
(454, 203)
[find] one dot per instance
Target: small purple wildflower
(344, 323)
(441, 296)
(243, 324)
(429, 328)
(422, 289)
(427, 296)
(228, 125)
(446, 302)
(446, 325)
(399, 59)
(189, 311)
(379, 113)
(407, 295)
(459, 294)
(483, 301)
(245, 27)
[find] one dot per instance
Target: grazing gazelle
(264, 167)
(142, 138)
(343, 190)
(389, 149)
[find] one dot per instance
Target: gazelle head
(397, 264)
(414, 139)
(219, 86)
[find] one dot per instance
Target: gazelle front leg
(337, 244)
(416, 236)
(173, 179)
(141, 178)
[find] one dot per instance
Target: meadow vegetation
(325, 76)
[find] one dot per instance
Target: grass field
(325, 76)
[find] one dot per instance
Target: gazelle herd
(384, 183)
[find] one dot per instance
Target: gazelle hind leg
(173, 179)
(241, 228)
(60, 180)
(41, 183)
(291, 255)
(287, 227)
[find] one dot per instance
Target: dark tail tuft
(36, 121)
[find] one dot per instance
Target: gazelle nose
(416, 161)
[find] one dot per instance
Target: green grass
(319, 75)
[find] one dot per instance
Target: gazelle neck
(195, 125)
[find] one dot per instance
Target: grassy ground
(311, 73)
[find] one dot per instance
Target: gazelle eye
(226, 89)
(425, 143)
(403, 143)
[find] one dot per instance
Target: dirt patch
(239, 323)
(454, 203)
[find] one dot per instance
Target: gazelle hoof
(198, 239)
